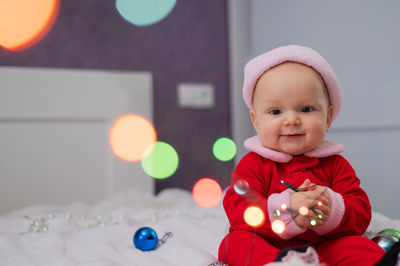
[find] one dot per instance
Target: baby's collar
(327, 148)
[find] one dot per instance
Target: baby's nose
(292, 119)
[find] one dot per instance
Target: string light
(313, 222)
(278, 226)
(304, 211)
(277, 213)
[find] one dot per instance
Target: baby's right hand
(308, 198)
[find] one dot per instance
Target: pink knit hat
(293, 53)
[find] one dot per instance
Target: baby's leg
(350, 250)
(246, 248)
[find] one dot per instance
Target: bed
(73, 202)
(102, 234)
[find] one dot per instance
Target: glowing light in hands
(284, 206)
(304, 211)
(278, 226)
(313, 222)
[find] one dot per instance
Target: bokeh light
(144, 12)
(278, 226)
(224, 149)
(313, 222)
(162, 161)
(319, 203)
(132, 137)
(303, 210)
(254, 216)
(241, 187)
(207, 192)
(24, 22)
(284, 206)
(277, 213)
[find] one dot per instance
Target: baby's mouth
(292, 136)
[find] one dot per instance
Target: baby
(314, 208)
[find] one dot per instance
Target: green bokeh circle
(162, 161)
(224, 149)
(144, 12)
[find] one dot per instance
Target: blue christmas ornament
(387, 238)
(145, 239)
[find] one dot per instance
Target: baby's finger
(322, 210)
(305, 184)
(325, 199)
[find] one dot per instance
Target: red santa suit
(338, 241)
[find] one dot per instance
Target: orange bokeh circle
(254, 216)
(207, 192)
(132, 137)
(24, 22)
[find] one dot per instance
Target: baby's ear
(329, 117)
(253, 119)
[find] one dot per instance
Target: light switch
(196, 95)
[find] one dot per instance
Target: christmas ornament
(146, 239)
(387, 238)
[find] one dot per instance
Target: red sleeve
(250, 169)
(357, 214)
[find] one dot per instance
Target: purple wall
(190, 45)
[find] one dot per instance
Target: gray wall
(189, 45)
(360, 40)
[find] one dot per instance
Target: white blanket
(99, 235)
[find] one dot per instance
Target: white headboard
(54, 130)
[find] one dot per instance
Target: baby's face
(291, 111)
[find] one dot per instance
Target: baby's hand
(309, 198)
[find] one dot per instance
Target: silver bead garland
(41, 224)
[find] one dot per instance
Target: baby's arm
(249, 170)
(350, 212)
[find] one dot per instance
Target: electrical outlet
(196, 95)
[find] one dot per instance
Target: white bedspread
(99, 235)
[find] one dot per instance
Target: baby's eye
(275, 112)
(306, 109)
